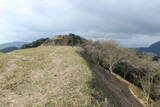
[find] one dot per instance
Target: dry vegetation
(139, 69)
(58, 76)
(47, 76)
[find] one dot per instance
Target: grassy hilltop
(57, 75)
(46, 76)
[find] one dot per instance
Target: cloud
(127, 21)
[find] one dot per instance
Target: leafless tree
(112, 54)
(146, 64)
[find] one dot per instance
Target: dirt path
(120, 89)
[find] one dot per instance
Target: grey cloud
(126, 21)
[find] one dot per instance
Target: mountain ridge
(8, 49)
(153, 48)
(17, 44)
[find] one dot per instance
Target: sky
(132, 23)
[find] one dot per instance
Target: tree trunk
(110, 69)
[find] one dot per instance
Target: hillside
(9, 49)
(46, 76)
(58, 76)
(154, 48)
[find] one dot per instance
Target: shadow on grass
(102, 93)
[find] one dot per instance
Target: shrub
(35, 43)
(136, 68)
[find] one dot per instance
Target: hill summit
(70, 39)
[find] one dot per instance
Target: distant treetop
(70, 39)
(35, 43)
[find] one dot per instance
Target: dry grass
(57, 76)
(46, 76)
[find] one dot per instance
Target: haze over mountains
(154, 48)
(17, 44)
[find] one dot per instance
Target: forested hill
(154, 48)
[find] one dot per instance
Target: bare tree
(150, 69)
(112, 54)
(129, 61)
(141, 67)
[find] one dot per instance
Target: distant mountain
(154, 48)
(12, 44)
(9, 49)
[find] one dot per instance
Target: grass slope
(47, 76)
(57, 76)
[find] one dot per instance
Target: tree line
(35, 44)
(139, 69)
